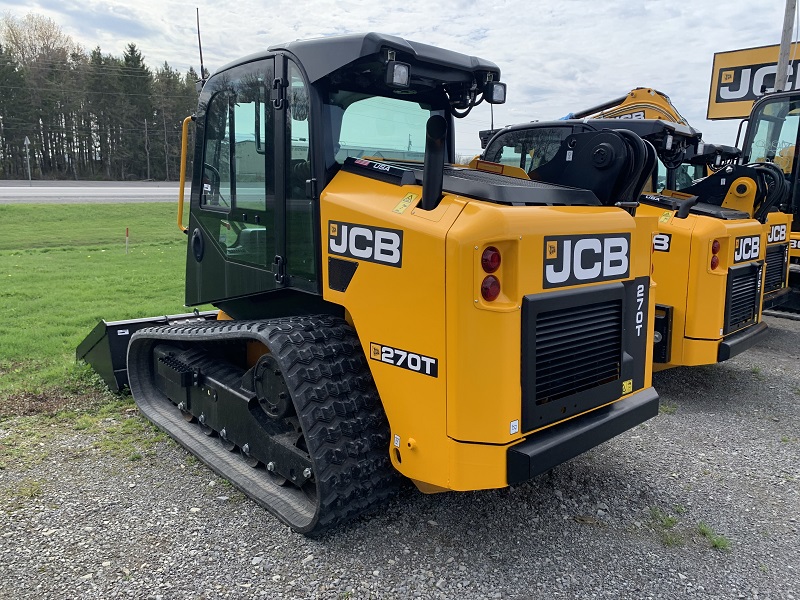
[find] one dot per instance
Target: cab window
(237, 191)
(775, 134)
(527, 149)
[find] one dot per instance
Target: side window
(238, 189)
(301, 250)
(216, 192)
(775, 136)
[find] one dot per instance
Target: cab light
(490, 259)
(490, 288)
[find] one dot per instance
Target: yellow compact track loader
(708, 256)
(647, 103)
(772, 137)
(381, 311)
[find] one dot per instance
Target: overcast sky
(556, 56)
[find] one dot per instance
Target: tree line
(86, 115)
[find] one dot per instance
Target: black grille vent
(775, 276)
(743, 296)
(577, 349)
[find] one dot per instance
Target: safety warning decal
(405, 203)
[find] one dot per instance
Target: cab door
(236, 225)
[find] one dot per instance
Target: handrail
(184, 149)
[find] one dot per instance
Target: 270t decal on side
(419, 363)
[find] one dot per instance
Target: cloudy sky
(556, 56)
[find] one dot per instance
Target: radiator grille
(577, 349)
(743, 301)
(775, 275)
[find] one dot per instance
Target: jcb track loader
(708, 258)
(648, 103)
(382, 311)
(772, 137)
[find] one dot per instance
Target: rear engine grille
(775, 275)
(577, 349)
(742, 303)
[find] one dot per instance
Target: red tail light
(490, 288)
(714, 251)
(490, 259)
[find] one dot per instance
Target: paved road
(74, 192)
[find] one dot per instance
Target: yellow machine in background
(639, 103)
(743, 86)
(708, 256)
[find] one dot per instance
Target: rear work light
(490, 288)
(490, 259)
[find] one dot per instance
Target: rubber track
(337, 405)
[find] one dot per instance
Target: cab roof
(322, 56)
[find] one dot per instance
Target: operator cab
(277, 126)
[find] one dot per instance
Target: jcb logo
(383, 246)
(794, 244)
(750, 82)
(572, 260)
(747, 248)
(639, 114)
(662, 241)
(777, 233)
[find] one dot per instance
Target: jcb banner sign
(740, 77)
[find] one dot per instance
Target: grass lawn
(62, 269)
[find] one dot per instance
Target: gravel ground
(621, 521)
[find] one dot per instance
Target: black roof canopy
(322, 56)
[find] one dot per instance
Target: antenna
(200, 46)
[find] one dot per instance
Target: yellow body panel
(778, 230)
(452, 431)
(688, 284)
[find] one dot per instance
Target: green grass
(717, 542)
(112, 427)
(62, 269)
(667, 408)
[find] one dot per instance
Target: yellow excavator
(708, 258)
(382, 312)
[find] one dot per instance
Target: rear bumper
(553, 446)
(741, 341)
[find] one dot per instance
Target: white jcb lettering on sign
(572, 260)
(777, 233)
(384, 246)
(794, 244)
(662, 241)
(747, 248)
